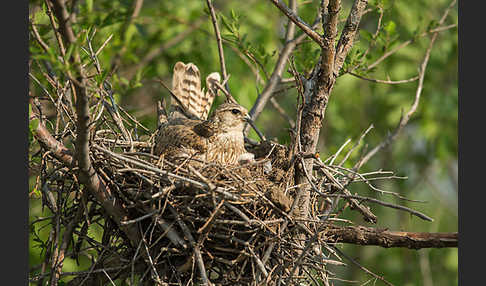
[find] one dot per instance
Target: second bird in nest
(187, 132)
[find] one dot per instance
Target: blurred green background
(426, 151)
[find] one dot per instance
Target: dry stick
(385, 81)
(204, 186)
(67, 238)
(364, 210)
(43, 45)
(195, 246)
(218, 41)
(375, 35)
(361, 235)
(355, 145)
(398, 207)
(98, 51)
(88, 175)
(55, 29)
(57, 149)
(334, 157)
(362, 267)
(404, 120)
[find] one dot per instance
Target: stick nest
(188, 210)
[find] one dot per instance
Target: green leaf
(390, 27)
(224, 20)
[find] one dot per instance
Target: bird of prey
(187, 132)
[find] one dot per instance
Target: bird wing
(178, 136)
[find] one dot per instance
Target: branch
(317, 92)
(385, 81)
(347, 36)
(218, 41)
(362, 267)
(361, 235)
(97, 187)
(404, 120)
(276, 76)
(299, 22)
(328, 51)
(87, 173)
(48, 142)
(406, 43)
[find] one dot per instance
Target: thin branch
(88, 175)
(278, 70)
(406, 43)
(299, 22)
(385, 81)
(404, 120)
(398, 207)
(362, 267)
(218, 41)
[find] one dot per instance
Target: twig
(355, 145)
(404, 120)
(299, 22)
(362, 267)
(278, 70)
(398, 207)
(195, 246)
(385, 81)
(218, 41)
(406, 43)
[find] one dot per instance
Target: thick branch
(48, 142)
(96, 185)
(87, 173)
(361, 235)
(316, 96)
(347, 36)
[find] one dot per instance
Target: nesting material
(232, 214)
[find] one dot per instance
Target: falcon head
(230, 117)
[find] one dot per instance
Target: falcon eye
(235, 111)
